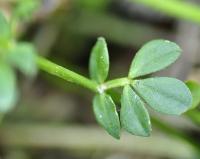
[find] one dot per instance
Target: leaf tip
(146, 134)
(116, 136)
(101, 38)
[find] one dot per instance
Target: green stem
(66, 74)
(73, 77)
(117, 83)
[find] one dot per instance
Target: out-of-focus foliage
(93, 5)
(22, 57)
(4, 32)
(195, 90)
(8, 91)
(12, 53)
(25, 8)
(175, 8)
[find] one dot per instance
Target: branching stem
(119, 82)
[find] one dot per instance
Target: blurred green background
(54, 120)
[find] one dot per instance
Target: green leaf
(25, 8)
(5, 32)
(8, 94)
(23, 57)
(99, 61)
(106, 114)
(165, 95)
(195, 90)
(134, 116)
(154, 56)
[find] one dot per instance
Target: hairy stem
(66, 74)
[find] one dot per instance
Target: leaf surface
(24, 9)
(99, 61)
(154, 56)
(23, 57)
(5, 33)
(8, 95)
(133, 115)
(165, 95)
(106, 114)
